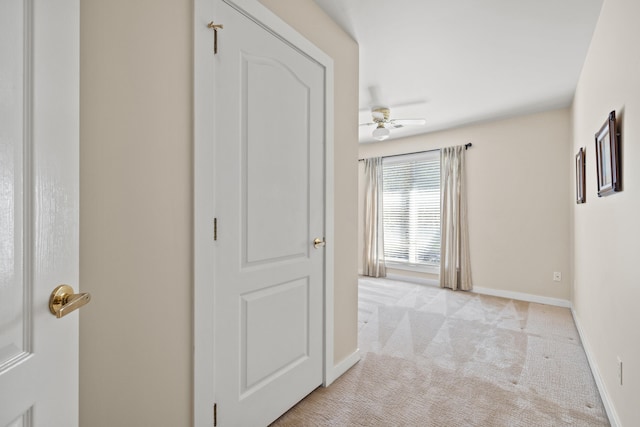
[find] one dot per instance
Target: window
(411, 210)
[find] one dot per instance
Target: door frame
(203, 134)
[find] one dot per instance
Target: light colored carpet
(434, 357)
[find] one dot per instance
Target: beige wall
(136, 204)
(135, 212)
(518, 199)
(607, 230)
(306, 17)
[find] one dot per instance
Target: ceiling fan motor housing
(380, 114)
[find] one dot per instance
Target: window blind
(411, 209)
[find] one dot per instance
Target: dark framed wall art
(608, 157)
(580, 176)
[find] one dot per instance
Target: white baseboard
(342, 367)
(523, 297)
(606, 401)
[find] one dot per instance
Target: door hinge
(215, 414)
(215, 229)
(215, 28)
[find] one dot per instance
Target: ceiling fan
(384, 124)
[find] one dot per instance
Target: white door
(39, 54)
(269, 207)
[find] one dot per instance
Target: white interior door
(262, 134)
(263, 161)
(269, 204)
(39, 68)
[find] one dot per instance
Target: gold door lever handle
(63, 301)
(318, 243)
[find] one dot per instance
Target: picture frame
(608, 157)
(580, 176)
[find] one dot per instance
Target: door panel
(278, 343)
(14, 333)
(39, 64)
(269, 204)
(276, 109)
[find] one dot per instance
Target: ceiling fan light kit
(381, 133)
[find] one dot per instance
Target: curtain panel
(455, 267)
(373, 225)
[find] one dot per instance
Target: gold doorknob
(63, 301)
(318, 242)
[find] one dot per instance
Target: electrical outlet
(619, 371)
(557, 276)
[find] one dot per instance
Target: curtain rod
(466, 147)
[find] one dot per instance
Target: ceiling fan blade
(408, 122)
(374, 93)
(367, 124)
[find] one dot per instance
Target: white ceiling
(455, 62)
